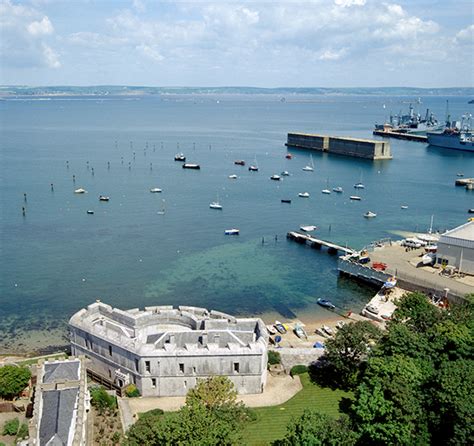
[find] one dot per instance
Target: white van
(411, 243)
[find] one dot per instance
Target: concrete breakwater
(359, 148)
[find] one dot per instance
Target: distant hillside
(125, 90)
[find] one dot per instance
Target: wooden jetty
(314, 242)
(401, 135)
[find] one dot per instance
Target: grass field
(272, 421)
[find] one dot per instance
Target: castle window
(153, 383)
(110, 350)
(147, 366)
(181, 368)
(136, 365)
(236, 367)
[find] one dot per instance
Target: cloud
(26, 34)
(332, 55)
(466, 35)
(43, 27)
(150, 53)
(348, 3)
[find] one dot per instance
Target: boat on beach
(280, 327)
(300, 331)
(326, 303)
(270, 329)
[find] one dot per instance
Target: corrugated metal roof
(461, 236)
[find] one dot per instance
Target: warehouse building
(456, 248)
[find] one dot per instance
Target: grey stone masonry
(165, 350)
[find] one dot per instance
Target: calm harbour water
(57, 259)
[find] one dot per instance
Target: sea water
(142, 248)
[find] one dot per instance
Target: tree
(347, 349)
(13, 380)
(452, 403)
(102, 400)
(317, 429)
(211, 417)
(388, 407)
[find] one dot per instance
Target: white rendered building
(164, 350)
(456, 248)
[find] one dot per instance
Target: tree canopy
(13, 380)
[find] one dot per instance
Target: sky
(314, 43)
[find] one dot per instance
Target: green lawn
(272, 421)
(28, 362)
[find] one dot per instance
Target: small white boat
(275, 178)
(233, 177)
(180, 157)
(355, 198)
(308, 228)
(303, 194)
(80, 191)
(232, 231)
(270, 329)
(310, 166)
(155, 190)
(338, 190)
(215, 205)
(103, 198)
(429, 258)
(90, 212)
(404, 206)
(300, 331)
(340, 324)
(191, 166)
(253, 168)
(328, 330)
(326, 191)
(321, 332)
(359, 186)
(285, 173)
(370, 214)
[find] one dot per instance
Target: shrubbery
(11, 427)
(102, 401)
(13, 380)
(274, 357)
(298, 370)
(131, 391)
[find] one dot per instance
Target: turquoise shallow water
(57, 259)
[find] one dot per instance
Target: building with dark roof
(61, 405)
(165, 350)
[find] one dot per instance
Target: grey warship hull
(450, 141)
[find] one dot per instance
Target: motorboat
(371, 308)
(191, 166)
(370, 214)
(232, 231)
(303, 194)
(355, 198)
(103, 198)
(285, 200)
(326, 191)
(280, 327)
(285, 173)
(308, 228)
(239, 162)
(359, 186)
(90, 212)
(300, 332)
(216, 205)
(428, 259)
(404, 206)
(310, 166)
(275, 178)
(460, 174)
(328, 330)
(233, 177)
(155, 190)
(326, 303)
(321, 332)
(253, 168)
(80, 191)
(338, 190)
(390, 283)
(340, 324)
(470, 211)
(270, 329)
(288, 156)
(180, 157)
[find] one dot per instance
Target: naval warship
(456, 135)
